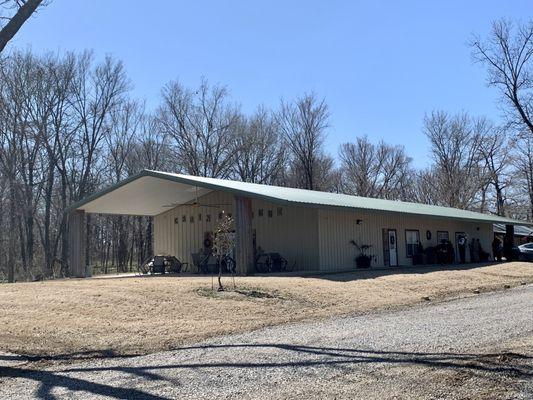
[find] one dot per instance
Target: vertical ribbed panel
(309, 238)
(293, 234)
(338, 227)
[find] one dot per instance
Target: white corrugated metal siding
(293, 234)
(337, 228)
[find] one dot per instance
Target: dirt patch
(138, 315)
(241, 293)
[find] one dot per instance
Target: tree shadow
(75, 356)
(513, 365)
(371, 273)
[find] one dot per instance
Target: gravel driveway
(477, 347)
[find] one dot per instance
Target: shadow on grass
(377, 273)
(79, 378)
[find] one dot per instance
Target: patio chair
(144, 267)
(210, 264)
(158, 265)
(277, 262)
(262, 263)
(176, 266)
(197, 261)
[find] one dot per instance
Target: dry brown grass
(137, 315)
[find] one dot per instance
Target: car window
(528, 246)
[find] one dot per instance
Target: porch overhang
(142, 194)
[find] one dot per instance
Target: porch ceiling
(144, 195)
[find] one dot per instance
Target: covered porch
(157, 195)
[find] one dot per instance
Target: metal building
(314, 231)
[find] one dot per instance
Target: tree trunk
(16, 22)
(11, 234)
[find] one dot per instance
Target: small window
(199, 217)
(260, 212)
(442, 236)
(208, 218)
(191, 219)
(412, 239)
(183, 218)
(280, 211)
(270, 214)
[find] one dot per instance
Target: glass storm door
(393, 249)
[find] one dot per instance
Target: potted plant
(363, 260)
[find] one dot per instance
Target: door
(393, 248)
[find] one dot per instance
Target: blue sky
(381, 65)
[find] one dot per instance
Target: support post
(76, 237)
(244, 241)
(508, 242)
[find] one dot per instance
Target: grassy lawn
(135, 315)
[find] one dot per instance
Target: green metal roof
(302, 197)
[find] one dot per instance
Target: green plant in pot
(363, 260)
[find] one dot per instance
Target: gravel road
(476, 347)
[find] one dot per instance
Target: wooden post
(77, 244)
(244, 253)
(508, 242)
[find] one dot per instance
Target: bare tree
(455, 147)
(381, 171)
(223, 245)
(495, 150)
(303, 124)
(523, 160)
(425, 187)
(202, 124)
(23, 10)
(259, 150)
(151, 148)
(508, 53)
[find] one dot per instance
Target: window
(412, 239)
(280, 211)
(260, 212)
(442, 235)
(270, 214)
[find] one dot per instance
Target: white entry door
(393, 248)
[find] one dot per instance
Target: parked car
(524, 252)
